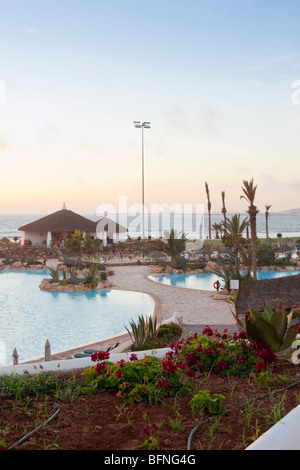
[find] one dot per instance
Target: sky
(219, 81)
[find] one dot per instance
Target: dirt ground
(105, 422)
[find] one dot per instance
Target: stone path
(195, 306)
(198, 308)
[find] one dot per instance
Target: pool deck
(197, 308)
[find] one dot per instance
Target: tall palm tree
(267, 215)
(249, 191)
(209, 210)
(224, 210)
(235, 228)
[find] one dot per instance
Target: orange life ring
(216, 285)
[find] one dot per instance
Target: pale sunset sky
(219, 80)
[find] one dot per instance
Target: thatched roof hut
(64, 221)
(60, 224)
(269, 292)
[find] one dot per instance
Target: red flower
(119, 374)
(100, 356)
(133, 357)
(149, 428)
(208, 331)
(208, 351)
(163, 383)
(169, 366)
(222, 365)
(190, 373)
(242, 335)
(121, 363)
(192, 357)
(99, 367)
(261, 365)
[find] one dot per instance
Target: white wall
(34, 237)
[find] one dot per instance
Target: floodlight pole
(143, 125)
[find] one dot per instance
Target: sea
(286, 224)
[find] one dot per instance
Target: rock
(224, 291)
(35, 266)
(17, 265)
(157, 269)
(86, 271)
(45, 285)
(211, 266)
(168, 270)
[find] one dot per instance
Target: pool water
(29, 316)
(205, 281)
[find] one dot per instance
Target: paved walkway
(198, 308)
(195, 306)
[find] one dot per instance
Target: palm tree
(249, 191)
(267, 215)
(173, 245)
(235, 229)
(217, 227)
(209, 210)
(224, 210)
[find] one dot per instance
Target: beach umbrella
(205, 251)
(270, 240)
(5, 240)
(283, 249)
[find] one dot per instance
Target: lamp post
(142, 125)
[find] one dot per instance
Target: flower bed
(229, 388)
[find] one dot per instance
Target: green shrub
(204, 402)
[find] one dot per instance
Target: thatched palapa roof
(68, 221)
(62, 221)
(269, 292)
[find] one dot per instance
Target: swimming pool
(205, 281)
(29, 316)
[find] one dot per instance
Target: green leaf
(279, 321)
(255, 313)
(262, 330)
(289, 337)
(268, 313)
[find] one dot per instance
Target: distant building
(58, 226)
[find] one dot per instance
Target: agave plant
(143, 331)
(274, 327)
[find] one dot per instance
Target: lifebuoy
(216, 285)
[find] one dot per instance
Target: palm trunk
(236, 259)
(267, 226)
(253, 242)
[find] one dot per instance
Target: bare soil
(105, 422)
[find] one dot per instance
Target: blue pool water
(205, 281)
(29, 316)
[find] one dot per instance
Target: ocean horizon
(286, 224)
